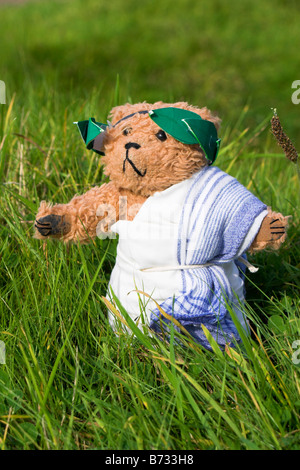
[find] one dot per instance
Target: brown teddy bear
(184, 226)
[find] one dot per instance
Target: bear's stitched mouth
(128, 146)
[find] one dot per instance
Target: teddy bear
(184, 226)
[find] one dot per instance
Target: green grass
(68, 381)
(219, 54)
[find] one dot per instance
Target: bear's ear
(117, 113)
(205, 113)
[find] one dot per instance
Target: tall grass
(218, 54)
(69, 382)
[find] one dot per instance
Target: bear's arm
(86, 215)
(272, 232)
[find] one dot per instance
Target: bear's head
(140, 156)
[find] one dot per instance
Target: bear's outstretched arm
(272, 232)
(81, 218)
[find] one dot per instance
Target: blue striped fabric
(217, 215)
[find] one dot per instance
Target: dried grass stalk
(282, 139)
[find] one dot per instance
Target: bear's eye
(127, 131)
(161, 135)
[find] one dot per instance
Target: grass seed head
(283, 140)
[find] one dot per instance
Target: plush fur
(155, 166)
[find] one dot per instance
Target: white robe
(151, 241)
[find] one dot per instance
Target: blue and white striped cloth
(218, 214)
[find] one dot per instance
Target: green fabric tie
(92, 134)
(189, 128)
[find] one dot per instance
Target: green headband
(185, 126)
(188, 128)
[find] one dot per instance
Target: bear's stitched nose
(128, 146)
(133, 145)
